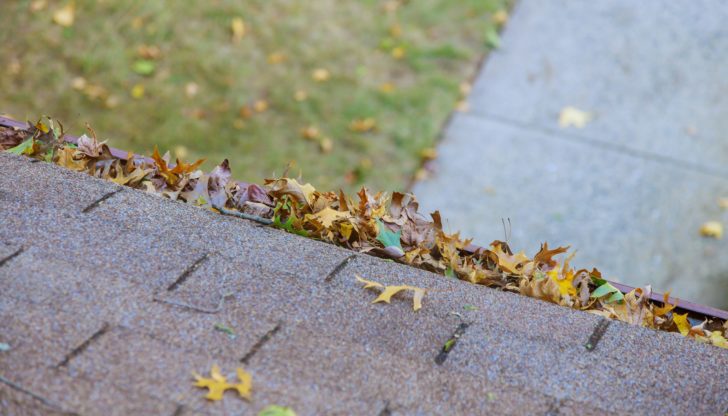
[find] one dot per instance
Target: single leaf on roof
(275, 410)
(388, 291)
(217, 384)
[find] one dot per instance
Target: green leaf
(226, 329)
(274, 410)
(448, 345)
(470, 308)
(388, 238)
(616, 297)
(606, 289)
(25, 148)
(144, 67)
(449, 272)
(492, 38)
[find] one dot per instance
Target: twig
(193, 307)
(261, 220)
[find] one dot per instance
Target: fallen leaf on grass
(274, 410)
(217, 384)
(276, 58)
(492, 38)
(237, 26)
(500, 17)
(310, 133)
(326, 145)
(320, 75)
(137, 91)
(65, 15)
(300, 95)
(144, 67)
(712, 229)
(389, 291)
(573, 117)
(362, 125)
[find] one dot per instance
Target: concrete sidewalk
(631, 189)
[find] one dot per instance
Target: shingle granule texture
(109, 311)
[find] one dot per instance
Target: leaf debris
(387, 225)
(217, 384)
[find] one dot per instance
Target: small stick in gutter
(261, 220)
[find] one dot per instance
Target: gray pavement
(96, 324)
(631, 189)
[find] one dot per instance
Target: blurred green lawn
(400, 63)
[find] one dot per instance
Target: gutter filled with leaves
(379, 224)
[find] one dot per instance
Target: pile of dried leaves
(380, 224)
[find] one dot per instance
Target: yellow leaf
(217, 384)
(500, 17)
(66, 158)
(328, 215)
(565, 283)
(388, 291)
(310, 133)
(428, 153)
(137, 91)
(300, 95)
(368, 284)
(291, 187)
(507, 262)
(320, 75)
(418, 294)
(65, 15)
(346, 229)
(260, 105)
(667, 307)
(717, 339)
(387, 87)
(237, 26)
(326, 145)
(571, 116)
(362, 124)
(276, 58)
(683, 325)
(712, 229)
(398, 52)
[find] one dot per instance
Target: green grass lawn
(170, 73)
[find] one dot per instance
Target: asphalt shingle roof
(109, 307)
